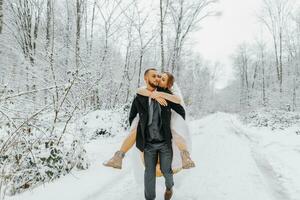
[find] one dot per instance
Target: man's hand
(161, 101)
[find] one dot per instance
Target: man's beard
(152, 85)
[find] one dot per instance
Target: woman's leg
(180, 142)
(116, 160)
(129, 141)
(158, 171)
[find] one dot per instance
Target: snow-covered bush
(105, 123)
(33, 153)
(29, 158)
(274, 119)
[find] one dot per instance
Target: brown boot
(116, 160)
(168, 193)
(186, 160)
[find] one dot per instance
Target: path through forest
(231, 165)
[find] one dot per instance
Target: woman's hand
(157, 96)
(161, 101)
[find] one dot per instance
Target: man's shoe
(168, 193)
(116, 160)
(186, 160)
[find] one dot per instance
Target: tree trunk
(162, 37)
(78, 29)
(140, 67)
(67, 36)
(86, 26)
(263, 78)
(294, 93)
(280, 61)
(1, 15)
(92, 29)
(48, 30)
(48, 24)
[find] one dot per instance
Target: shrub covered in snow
(105, 123)
(274, 119)
(29, 158)
(34, 153)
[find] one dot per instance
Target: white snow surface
(233, 162)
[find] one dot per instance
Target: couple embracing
(158, 127)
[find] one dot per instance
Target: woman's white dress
(178, 126)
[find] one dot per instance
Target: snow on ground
(233, 162)
(277, 153)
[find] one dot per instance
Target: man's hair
(149, 69)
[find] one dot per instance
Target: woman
(180, 132)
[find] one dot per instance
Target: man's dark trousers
(156, 146)
(151, 154)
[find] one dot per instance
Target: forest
(63, 59)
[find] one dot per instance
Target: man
(154, 136)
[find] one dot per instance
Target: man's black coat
(140, 106)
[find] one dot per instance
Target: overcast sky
(219, 37)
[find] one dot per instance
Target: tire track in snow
(274, 185)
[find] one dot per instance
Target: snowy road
(231, 165)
